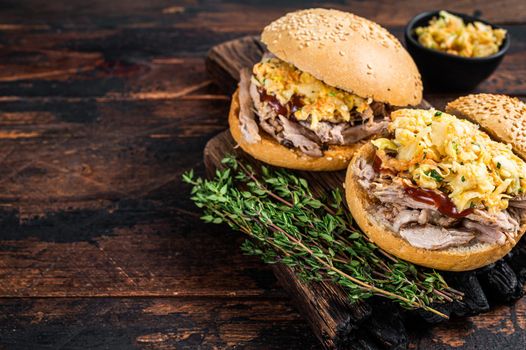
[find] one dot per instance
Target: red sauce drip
(377, 164)
(294, 104)
(438, 199)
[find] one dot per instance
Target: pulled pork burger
(327, 83)
(437, 190)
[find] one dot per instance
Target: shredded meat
(300, 137)
(518, 203)
(285, 131)
(404, 217)
(346, 133)
(359, 132)
(364, 172)
(518, 214)
(435, 237)
(247, 118)
(487, 233)
(500, 221)
(436, 218)
(379, 108)
(423, 225)
(300, 134)
(387, 190)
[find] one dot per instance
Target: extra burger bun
(268, 150)
(501, 116)
(451, 259)
(348, 52)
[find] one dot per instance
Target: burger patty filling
(302, 112)
(439, 182)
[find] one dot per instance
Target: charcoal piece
(346, 335)
(386, 325)
(348, 330)
(499, 282)
(365, 342)
(359, 312)
(423, 318)
(517, 261)
(354, 317)
(474, 301)
(345, 330)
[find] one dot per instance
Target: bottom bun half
(450, 259)
(270, 151)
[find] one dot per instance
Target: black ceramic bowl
(446, 71)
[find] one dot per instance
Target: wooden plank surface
(150, 323)
(102, 107)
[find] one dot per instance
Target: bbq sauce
(377, 164)
(434, 198)
(294, 104)
(438, 199)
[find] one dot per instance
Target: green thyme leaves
(314, 235)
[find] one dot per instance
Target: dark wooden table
(103, 105)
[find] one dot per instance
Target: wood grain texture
(102, 107)
(150, 323)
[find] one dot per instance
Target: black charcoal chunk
(517, 261)
(474, 301)
(365, 342)
(428, 317)
(500, 283)
(346, 331)
(386, 325)
(360, 312)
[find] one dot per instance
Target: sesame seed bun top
(348, 52)
(501, 116)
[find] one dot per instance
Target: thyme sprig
(314, 236)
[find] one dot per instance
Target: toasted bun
(348, 52)
(452, 259)
(501, 116)
(268, 150)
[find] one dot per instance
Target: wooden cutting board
(377, 323)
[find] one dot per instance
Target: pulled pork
(422, 225)
(434, 237)
(247, 117)
(299, 134)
